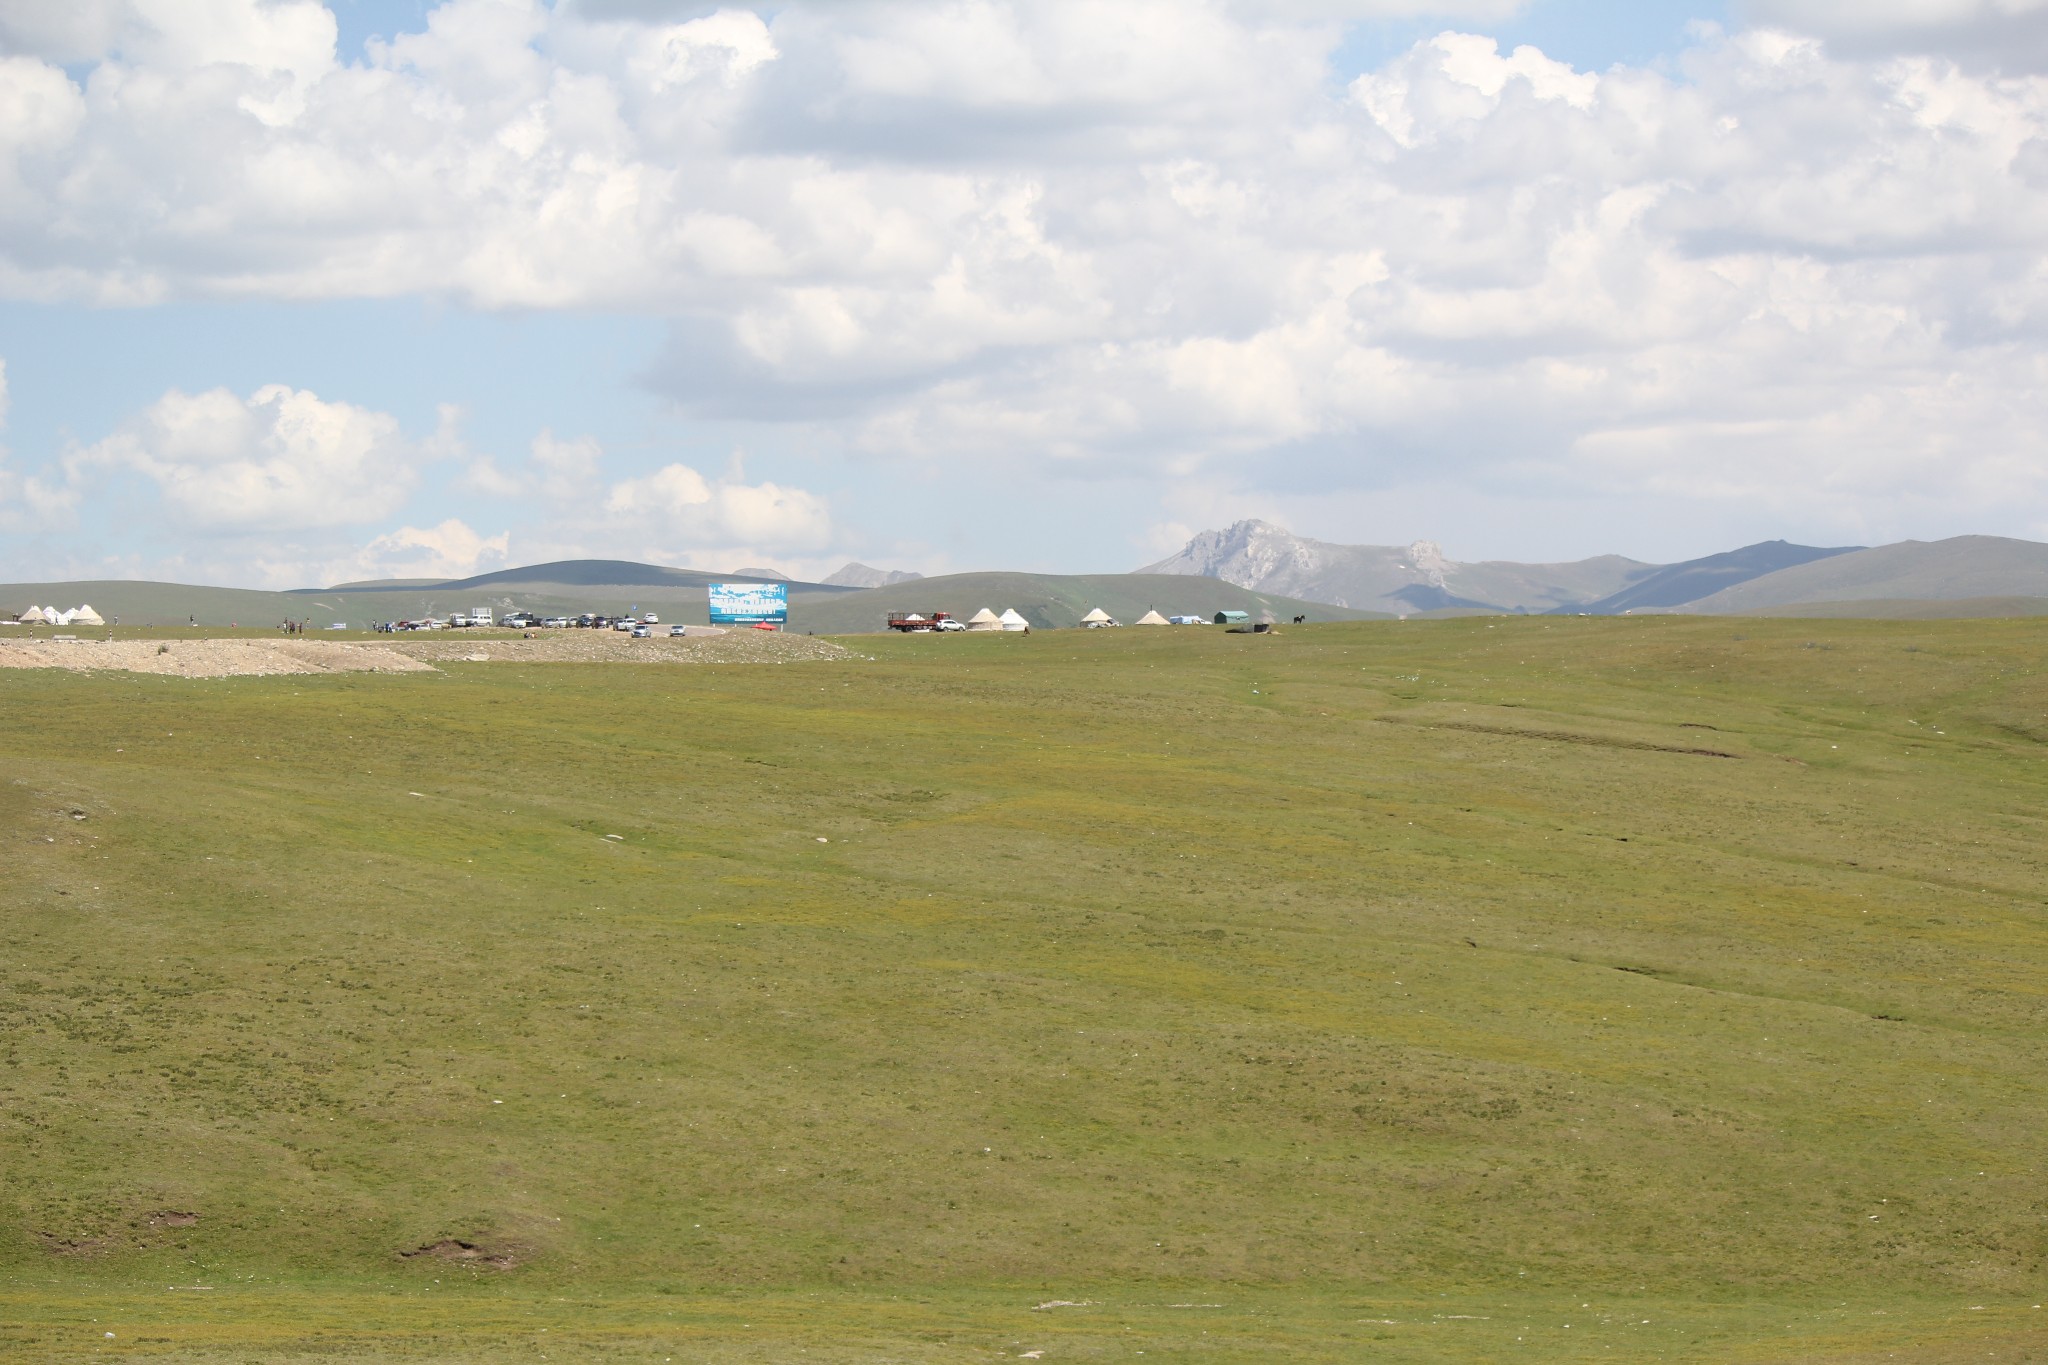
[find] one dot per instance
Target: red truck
(911, 621)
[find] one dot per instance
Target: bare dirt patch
(58, 1245)
(463, 1253)
(207, 658)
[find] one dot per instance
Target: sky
(295, 293)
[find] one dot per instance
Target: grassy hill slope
(1912, 570)
(161, 604)
(1647, 988)
(1676, 584)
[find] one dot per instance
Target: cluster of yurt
(1096, 619)
(988, 620)
(53, 616)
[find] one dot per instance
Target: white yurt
(1096, 617)
(86, 616)
(1153, 618)
(56, 618)
(33, 617)
(1011, 620)
(984, 620)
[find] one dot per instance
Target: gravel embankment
(411, 653)
(208, 658)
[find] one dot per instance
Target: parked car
(557, 623)
(642, 631)
(519, 620)
(622, 625)
(651, 619)
(678, 630)
(948, 623)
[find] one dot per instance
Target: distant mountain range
(1253, 567)
(1772, 576)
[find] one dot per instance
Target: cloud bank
(1800, 269)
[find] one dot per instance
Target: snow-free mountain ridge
(1771, 576)
(858, 575)
(1402, 579)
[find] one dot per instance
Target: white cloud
(449, 550)
(568, 466)
(562, 471)
(724, 519)
(1146, 239)
(2007, 33)
(278, 462)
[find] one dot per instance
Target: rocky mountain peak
(858, 575)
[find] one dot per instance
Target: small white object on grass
(823, 840)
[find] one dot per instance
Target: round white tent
(86, 616)
(33, 617)
(1153, 618)
(1097, 617)
(1012, 621)
(984, 620)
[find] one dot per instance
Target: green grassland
(1915, 609)
(1513, 989)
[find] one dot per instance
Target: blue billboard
(747, 604)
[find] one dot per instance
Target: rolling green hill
(1912, 570)
(1676, 584)
(162, 604)
(1506, 989)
